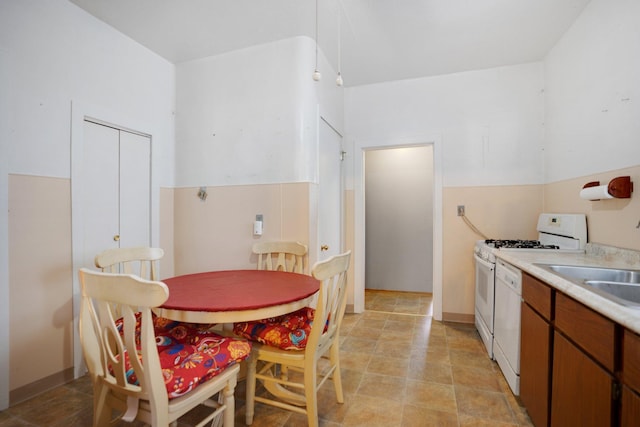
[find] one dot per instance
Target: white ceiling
(381, 40)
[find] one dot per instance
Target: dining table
(229, 296)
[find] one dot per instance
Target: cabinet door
(630, 416)
(581, 390)
(535, 346)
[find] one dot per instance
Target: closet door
(100, 190)
(329, 192)
(116, 189)
(135, 188)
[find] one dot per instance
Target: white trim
(80, 112)
(4, 232)
(359, 214)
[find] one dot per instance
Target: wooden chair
(141, 261)
(322, 342)
(138, 388)
(285, 256)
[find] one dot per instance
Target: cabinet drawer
(590, 330)
(631, 360)
(537, 295)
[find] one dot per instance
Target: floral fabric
(288, 332)
(190, 354)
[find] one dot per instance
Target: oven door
(485, 288)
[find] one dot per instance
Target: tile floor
(400, 368)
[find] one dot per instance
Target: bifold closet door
(135, 189)
(116, 189)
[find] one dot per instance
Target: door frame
(359, 212)
(79, 113)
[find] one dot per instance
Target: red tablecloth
(236, 290)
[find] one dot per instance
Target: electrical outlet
(460, 210)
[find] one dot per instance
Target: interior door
(116, 189)
(100, 190)
(134, 189)
(330, 192)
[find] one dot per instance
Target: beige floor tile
(385, 386)
(470, 358)
(487, 405)
(359, 345)
(440, 397)
(479, 378)
(388, 366)
(417, 416)
(369, 411)
(432, 372)
(354, 360)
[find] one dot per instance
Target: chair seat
(189, 354)
(287, 332)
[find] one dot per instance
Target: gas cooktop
(518, 244)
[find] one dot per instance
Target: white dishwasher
(506, 347)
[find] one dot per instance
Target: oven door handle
(484, 263)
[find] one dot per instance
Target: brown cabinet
(581, 390)
(630, 406)
(570, 362)
(535, 349)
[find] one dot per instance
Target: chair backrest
(141, 261)
(284, 256)
(332, 301)
(106, 349)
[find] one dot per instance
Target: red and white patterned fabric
(287, 332)
(190, 354)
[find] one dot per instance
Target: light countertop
(595, 256)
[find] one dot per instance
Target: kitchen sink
(619, 285)
(597, 273)
(626, 291)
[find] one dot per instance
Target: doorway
(359, 149)
(399, 219)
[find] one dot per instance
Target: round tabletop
(236, 295)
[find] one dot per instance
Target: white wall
(54, 53)
(490, 121)
(593, 93)
(399, 219)
(58, 53)
(487, 129)
(251, 116)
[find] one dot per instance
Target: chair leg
(334, 357)
(229, 400)
(311, 396)
(252, 363)
(101, 411)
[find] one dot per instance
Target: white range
(499, 286)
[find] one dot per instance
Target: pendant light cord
(316, 35)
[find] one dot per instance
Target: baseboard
(33, 389)
(458, 317)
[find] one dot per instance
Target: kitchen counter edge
(596, 256)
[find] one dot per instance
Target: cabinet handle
(116, 238)
(324, 248)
